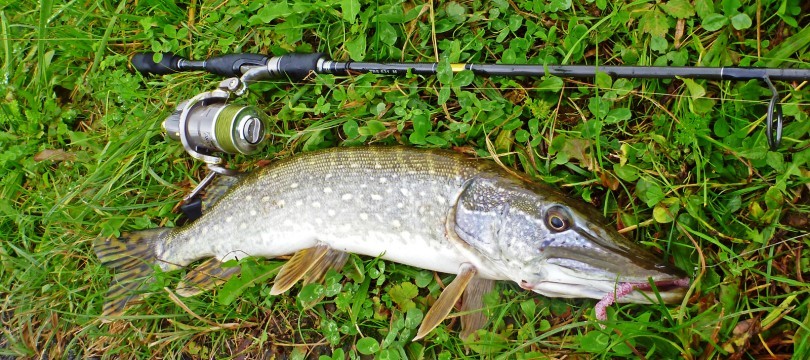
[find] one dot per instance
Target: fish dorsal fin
(472, 304)
(205, 277)
(217, 189)
(297, 267)
(448, 298)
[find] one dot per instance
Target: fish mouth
(670, 291)
(571, 280)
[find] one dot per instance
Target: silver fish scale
(389, 202)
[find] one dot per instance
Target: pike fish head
(554, 246)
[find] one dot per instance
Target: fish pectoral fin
(298, 266)
(472, 303)
(208, 275)
(448, 298)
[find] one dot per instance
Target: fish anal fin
(448, 298)
(472, 303)
(295, 268)
(131, 257)
(208, 275)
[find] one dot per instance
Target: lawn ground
(681, 165)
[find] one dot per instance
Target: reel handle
(231, 65)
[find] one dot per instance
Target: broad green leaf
(776, 160)
(514, 22)
(310, 293)
(403, 294)
(436, 140)
(372, 128)
(666, 210)
(387, 34)
(356, 48)
(593, 342)
(603, 80)
(741, 21)
(444, 95)
(696, 90)
(269, 12)
(367, 346)
(721, 128)
(421, 127)
(413, 318)
(618, 115)
(423, 278)
(680, 9)
(455, 12)
(755, 210)
(774, 198)
(528, 307)
(444, 72)
(463, 78)
(551, 83)
(350, 9)
(649, 192)
(654, 22)
(557, 5)
(704, 8)
(659, 44)
(626, 172)
(574, 41)
(714, 22)
(730, 6)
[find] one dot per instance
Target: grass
(682, 164)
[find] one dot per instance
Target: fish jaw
(562, 282)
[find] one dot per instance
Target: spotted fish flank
(436, 210)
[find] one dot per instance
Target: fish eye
(557, 220)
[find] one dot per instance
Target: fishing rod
(208, 123)
(253, 67)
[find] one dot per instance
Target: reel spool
(207, 124)
(218, 127)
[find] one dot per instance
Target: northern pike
(432, 209)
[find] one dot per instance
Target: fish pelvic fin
(207, 276)
(472, 303)
(446, 301)
(131, 257)
(333, 260)
(295, 268)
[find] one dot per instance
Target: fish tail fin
(132, 257)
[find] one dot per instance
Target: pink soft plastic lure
(623, 290)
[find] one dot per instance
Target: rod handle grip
(230, 65)
(298, 66)
(145, 64)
